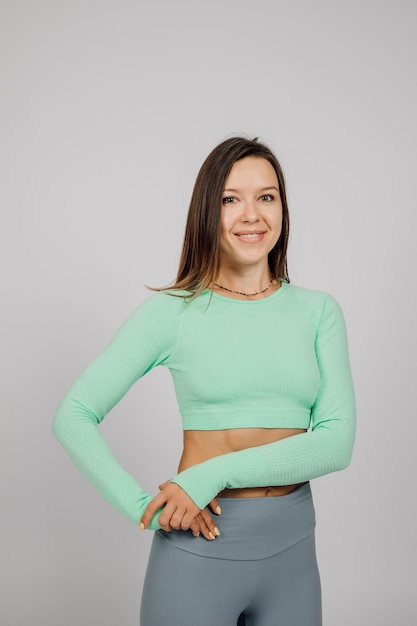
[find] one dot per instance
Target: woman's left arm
(326, 448)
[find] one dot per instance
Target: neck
(258, 284)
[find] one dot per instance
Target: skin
(251, 222)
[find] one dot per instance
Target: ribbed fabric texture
(145, 340)
(279, 362)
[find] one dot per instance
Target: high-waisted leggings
(261, 571)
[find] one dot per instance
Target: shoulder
(309, 297)
(159, 313)
(166, 300)
(172, 300)
(319, 304)
(170, 303)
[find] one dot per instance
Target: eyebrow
(259, 190)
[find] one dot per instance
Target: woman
(262, 376)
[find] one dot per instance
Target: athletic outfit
(279, 362)
(263, 565)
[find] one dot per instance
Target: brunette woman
(262, 377)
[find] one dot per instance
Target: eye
(267, 197)
(229, 200)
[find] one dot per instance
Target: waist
(252, 528)
(200, 446)
(259, 492)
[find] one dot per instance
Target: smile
(250, 237)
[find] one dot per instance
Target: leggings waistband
(253, 528)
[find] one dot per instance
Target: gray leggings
(262, 568)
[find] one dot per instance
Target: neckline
(218, 296)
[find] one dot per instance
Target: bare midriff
(201, 445)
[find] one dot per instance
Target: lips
(250, 236)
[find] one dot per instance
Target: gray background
(107, 111)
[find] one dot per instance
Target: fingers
(210, 524)
(199, 526)
(153, 506)
(180, 519)
(195, 527)
(178, 510)
(215, 506)
(176, 518)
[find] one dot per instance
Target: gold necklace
(241, 293)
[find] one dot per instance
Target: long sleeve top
(278, 362)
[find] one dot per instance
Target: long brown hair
(200, 259)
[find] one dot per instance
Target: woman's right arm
(145, 340)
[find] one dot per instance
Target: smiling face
(251, 215)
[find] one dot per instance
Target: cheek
(278, 220)
(225, 222)
(279, 223)
(223, 231)
(274, 219)
(276, 226)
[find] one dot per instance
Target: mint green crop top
(279, 362)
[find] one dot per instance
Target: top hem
(210, 421)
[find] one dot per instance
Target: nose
(250, 212)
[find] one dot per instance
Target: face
(251, 214)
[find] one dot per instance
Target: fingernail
(218, 510)
(197, 535)
(142, 526)
(216, 531)
(211, 536)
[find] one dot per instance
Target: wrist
(201, 482)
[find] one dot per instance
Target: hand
(203, 523)
(180, 512)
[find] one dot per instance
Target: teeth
(250, 236)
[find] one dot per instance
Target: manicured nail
(211, 536)
(218, 510)
(216, 531)
(142, 526)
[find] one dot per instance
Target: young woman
(261, 372)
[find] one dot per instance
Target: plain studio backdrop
(108, 109)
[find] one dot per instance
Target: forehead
(252, 172)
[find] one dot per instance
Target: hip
(253, 528)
